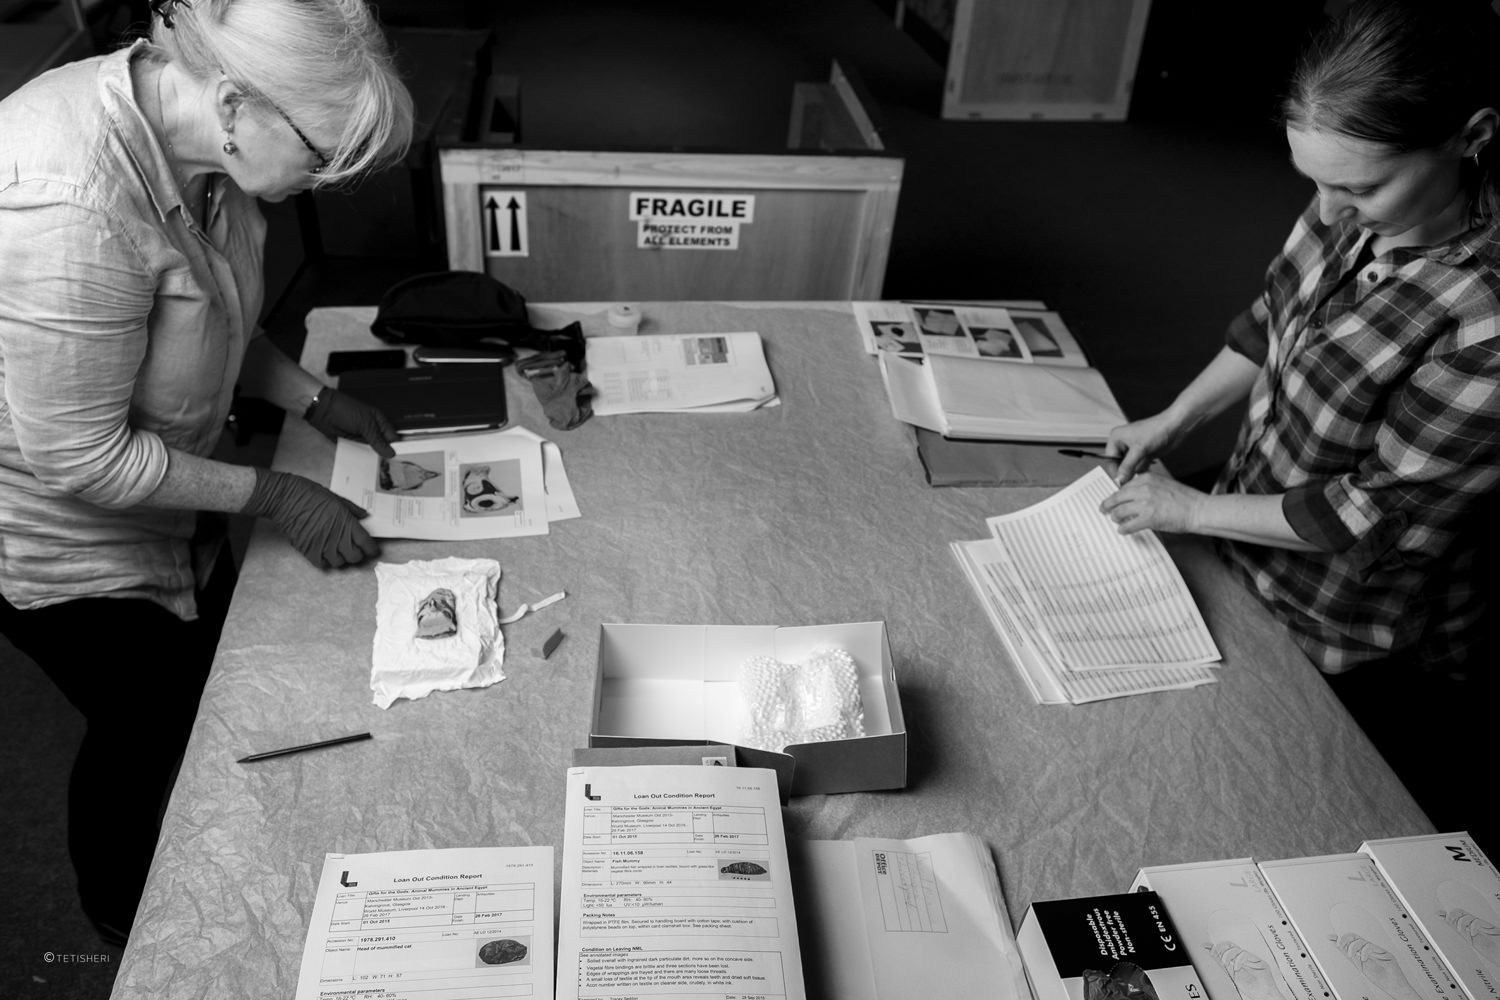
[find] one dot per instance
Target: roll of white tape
(625, 318)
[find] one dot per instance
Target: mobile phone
(348, 361)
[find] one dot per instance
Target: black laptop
(434, 399)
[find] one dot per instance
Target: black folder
(433, 399)
(955, 462)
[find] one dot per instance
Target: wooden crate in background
(1064, 59)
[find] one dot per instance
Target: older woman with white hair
(131, 246)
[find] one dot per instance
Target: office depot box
(1362, 937)
(1119, 947)
(676, 684)
(1234, 930)
(1451, 888)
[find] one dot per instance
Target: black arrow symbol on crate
(491, 208)
(515, 223)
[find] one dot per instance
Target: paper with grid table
(1085, 612)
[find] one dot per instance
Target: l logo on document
(344, 881)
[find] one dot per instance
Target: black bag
(466, 309)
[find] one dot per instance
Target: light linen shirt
(122, 329)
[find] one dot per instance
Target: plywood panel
(821, 227)
(1044, 58)
(583, 247)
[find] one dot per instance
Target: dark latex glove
(321, 524)
(563, 392)
(338, 414)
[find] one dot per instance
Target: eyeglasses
(323, 161)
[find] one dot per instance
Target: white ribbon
(526, 609)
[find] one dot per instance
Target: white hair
(324, 64)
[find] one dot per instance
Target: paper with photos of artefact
(1015, 332)
(450, 487)
(679, 373)
(1100, 600)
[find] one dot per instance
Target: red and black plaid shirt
(1377, 414)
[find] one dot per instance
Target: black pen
(1080, 453)
(305, 746)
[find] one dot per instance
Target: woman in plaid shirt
(1371, 360)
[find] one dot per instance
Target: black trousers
(1435, 732)
(135, 671)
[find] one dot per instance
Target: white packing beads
(807, 702)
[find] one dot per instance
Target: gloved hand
(321, 524)
(338, 414)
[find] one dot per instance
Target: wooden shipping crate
(1062, 59)
(811, 223)
(570, 225)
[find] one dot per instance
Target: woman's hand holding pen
(1152, 500)
(1135, 444)
(1148, 499)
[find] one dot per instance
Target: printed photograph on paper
(899, 338)
(1040, 343)
(996, 342)
(707, 350)
(938, 322)
(490, 488)
(419, 475)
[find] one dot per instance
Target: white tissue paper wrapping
(405, 666)
(802, 702)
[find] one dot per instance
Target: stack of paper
(1009, 374)
(1085, 612)
(679, 373)
(458, 487)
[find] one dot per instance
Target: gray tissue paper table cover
(810, 512)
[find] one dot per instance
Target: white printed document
(448, 924)
(1049, 680)
(457, 487)
(669, 373)
(893, 919)
(675, 884)
(1085, 612)
(1101, 599)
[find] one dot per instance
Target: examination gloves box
(1408, 918)
(1234, 931)
(665, 685)
(1117, 947)
(1361, 935)
(1447, 885)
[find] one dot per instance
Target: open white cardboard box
(679, 684)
